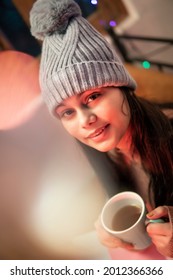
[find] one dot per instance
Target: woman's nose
(87, 118)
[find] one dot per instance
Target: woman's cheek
(71, 128)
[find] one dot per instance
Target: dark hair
(152, 138)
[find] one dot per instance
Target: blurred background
(50, 194)
(142, 30)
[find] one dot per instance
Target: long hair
(152, 139)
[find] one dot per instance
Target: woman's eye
(66, 113)
(92, 97)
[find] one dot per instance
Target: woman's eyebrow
(60, 105)
(89, 91)
(58, 108)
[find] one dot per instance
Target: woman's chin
(104, 148)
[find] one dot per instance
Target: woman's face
(98, 118)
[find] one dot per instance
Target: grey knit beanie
(75, 57)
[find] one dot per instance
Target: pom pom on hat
(52, 16)
(75, 56)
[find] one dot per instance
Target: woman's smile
(99, 133)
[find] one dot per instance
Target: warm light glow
(19, 87)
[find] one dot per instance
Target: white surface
(49, 192)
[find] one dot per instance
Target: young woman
(85, 85)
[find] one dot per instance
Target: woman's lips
(98, 134)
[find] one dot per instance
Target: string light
(94, 2)
(102, 22)
(146, 64)
(112, 23)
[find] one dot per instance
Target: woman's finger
(158, 212)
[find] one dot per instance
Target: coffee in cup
(124, 217)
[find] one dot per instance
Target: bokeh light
(94, 2)
(146, 64)
(112, 23)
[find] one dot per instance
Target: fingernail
(150, 214)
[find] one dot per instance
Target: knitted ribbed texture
(77, 59)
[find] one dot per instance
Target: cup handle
(162, 220)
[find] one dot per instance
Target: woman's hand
(160, 233)
(109, 240)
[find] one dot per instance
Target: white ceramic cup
(124, 216)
